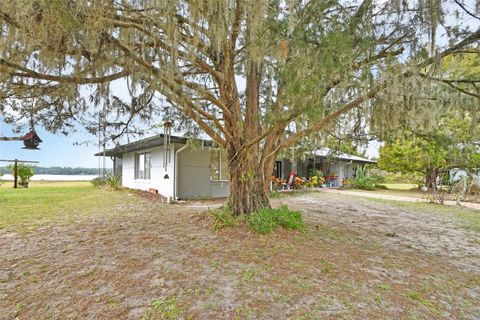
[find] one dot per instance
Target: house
(183, 171)
(339, 166)
(186, 170)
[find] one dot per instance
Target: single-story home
(340, 166)
(198, 170)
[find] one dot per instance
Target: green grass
(418, 298)
(163, 309)
(399, 186)
(267, 220)
(464, 217)
(263, 221)
(46, 202)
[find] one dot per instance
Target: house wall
(157, 181)
(194, 176)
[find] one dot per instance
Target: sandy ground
(358, 260)
(471, 205)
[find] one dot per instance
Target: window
(142, 165)
(218, 166)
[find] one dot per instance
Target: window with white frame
(142, 165)
(218, 165)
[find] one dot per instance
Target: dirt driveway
(358, 260)
(471, 205)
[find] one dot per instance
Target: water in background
(54, 177)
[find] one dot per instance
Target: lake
(54, 177)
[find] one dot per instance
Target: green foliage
(452, 144)
(223, 218)
(112, 181)
(366, 179)
(24, 172)
(401, 156)
(267, 220)
(263, 221)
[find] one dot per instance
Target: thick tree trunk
(248, 189)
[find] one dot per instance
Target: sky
(55, 150)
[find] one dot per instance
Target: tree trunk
(248, 189)
(431, 179)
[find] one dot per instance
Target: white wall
(156, 181)
(193, 174)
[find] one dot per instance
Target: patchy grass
(264, 221)
(163, 309)
(151, 261)
(46, 202)
(268, 219)
(418, 297)
(464, 217)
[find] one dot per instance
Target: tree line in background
(58, 170)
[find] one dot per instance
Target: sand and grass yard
(74, 252)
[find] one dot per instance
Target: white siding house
(200, 172)
(188, 173)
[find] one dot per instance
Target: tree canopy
(258, 77)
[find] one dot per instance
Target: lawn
(46, 202)
(400, 186)
(77, 252)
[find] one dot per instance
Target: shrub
(24, 172)
(366, 180)
(363, 183)
(267, 220)
(223, 218)
(112, 181)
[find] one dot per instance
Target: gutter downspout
(175, 164)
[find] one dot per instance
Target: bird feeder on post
(31, 140)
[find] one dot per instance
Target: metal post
(15, 174)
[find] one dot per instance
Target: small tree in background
(453, 145)
(24, 172)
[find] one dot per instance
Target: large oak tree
(257, 76)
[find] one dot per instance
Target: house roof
(143, 144)
(157, 141)
(326, 152)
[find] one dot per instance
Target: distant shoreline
(55, 177)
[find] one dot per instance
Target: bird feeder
(31, 140)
